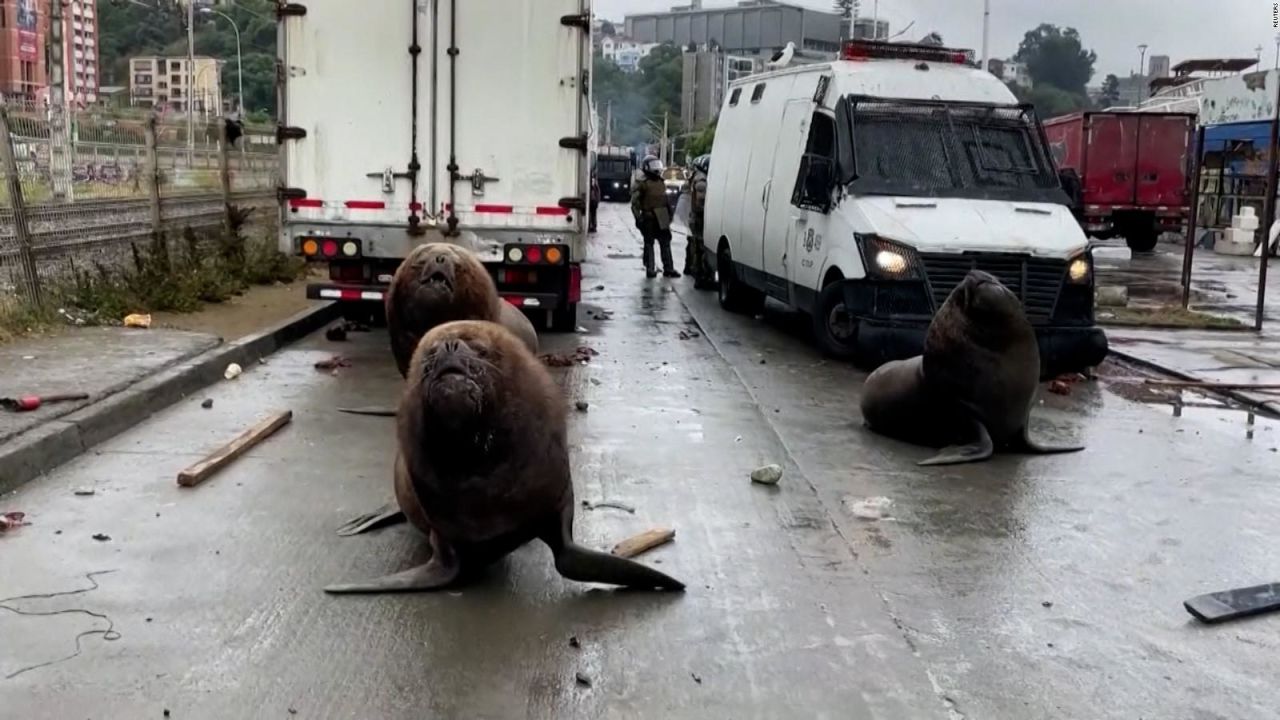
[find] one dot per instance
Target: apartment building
(23, 27)
(81, 56)
(162, 82)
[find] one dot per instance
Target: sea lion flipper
(374, 411)
(389, 514)
(575, 562)
(1032, 446)
(980, 449)
(431, 576)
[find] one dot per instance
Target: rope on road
(109, 634)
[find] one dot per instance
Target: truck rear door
(1162, 160)
(517, 94)
(1111, 143)
(348, 87)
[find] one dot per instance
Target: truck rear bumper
(1062, 349)
(346, 293)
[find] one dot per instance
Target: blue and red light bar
(876, 50)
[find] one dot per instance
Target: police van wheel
(835, 330)
(565, 319)
(735, 295)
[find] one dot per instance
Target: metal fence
(77, 191)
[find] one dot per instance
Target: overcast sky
(1181, 29)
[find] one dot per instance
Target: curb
(35, 452)
(1267, 406)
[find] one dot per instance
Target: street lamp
(1142, 72)
(239, 57)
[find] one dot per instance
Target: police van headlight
(1080, 269)
(888, 260)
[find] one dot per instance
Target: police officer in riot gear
(652, 212)
(695, 263)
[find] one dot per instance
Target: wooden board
(202, 470)
(645, 541)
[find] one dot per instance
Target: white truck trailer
(405, 122)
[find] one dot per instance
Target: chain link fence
(80, 190)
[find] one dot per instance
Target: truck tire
(565, 319)
(834, 330)
(735, 295)
(1142, 240)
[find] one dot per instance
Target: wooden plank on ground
(202, 470)
(645, 541)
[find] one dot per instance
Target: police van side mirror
(846, 167)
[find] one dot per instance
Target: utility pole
(1278, 51)
(608, 123)
(1142, 72)
(191, 83)
(59, 129)
(986, 27)
(666, 158)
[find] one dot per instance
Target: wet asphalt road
(1046, 587)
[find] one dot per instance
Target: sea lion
(439, 283)
(435, 284)
(973, 388)
(483, 463)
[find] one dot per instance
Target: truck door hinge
(575, 142)
(478, 179)
(572, 203)
(290, 193)
(582, 21)
(287, 9)
(289, 132)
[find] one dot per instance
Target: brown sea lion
(973, 388)
(483, 464)
(440, 283)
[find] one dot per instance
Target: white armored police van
(862, 191)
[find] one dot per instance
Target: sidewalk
(131, 373)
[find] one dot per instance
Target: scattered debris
(582, 679)
(689, 334)
(101, 537)
(1111, 296)
(292, 711)
(1047, 603)
(202, 470)
(137, 320)
(11, 520)
(233, 371)
(581, 356)
(872, 508)
(33, 402)
(763, 361)
(644, 542)
(337, 333)
(333, 363)
(609, 504)
(595, 381)
(767, 475)
(581, 406)
(599, 287)
(696, 677)
(581, 330)
(208, 403)
(166, 712)
(84, 491)
(1059, 387)
(738, 439)
(573, 642)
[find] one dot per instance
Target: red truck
(1132, 171)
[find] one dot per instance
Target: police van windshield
(613, 168)
(951, 150)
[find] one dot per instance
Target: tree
(1110, 92)
(1050, 101)
(700, 144)
(1056, 57)
(844, 8)
(607, 28)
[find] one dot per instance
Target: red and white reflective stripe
(337, 294)
(522, 301)
(366, 205)
(350, 204)
(511, 209)
(306, 203)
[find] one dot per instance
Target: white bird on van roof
(782, 58)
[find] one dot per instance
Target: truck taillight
(316, 248)
(575, 283)
(536, 254)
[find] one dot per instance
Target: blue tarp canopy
(1219, 137)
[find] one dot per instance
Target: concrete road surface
(862, 586)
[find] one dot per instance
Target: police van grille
(1036, 281)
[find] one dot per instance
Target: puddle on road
(1202, 409)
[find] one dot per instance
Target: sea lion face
(459, 376)
(983, 297)
(436, 269)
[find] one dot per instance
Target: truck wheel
(735, 295)
(1143, 240)
(565, 319)
(835, 330)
